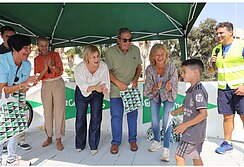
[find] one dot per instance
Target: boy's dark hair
(123, 30)
(194, 64)
(17, 42)
(6, 28)
(227, 25)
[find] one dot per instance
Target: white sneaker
(165, 155)
(78, 150)
(13, 161)
(155, 146)
(19, 162)
(93, 152)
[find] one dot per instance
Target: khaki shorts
(189, 150)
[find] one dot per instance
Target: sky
(232, 12)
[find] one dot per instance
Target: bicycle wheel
(28, 112)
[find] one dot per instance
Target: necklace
(160, 70)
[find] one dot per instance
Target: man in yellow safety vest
(228, 59)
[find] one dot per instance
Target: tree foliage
(70, 56)
(200, 42)
(74, 51)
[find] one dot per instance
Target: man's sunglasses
(126, 40)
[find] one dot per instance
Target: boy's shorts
(230, 103)
(189, 150)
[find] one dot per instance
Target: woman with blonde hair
(161, 86)
(92, 83)
(50, 68)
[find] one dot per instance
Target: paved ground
(70, 157)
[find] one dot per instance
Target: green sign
(34, 104)
(146, 117)
(70, 104)
(146, 113)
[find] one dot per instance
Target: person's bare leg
(242, 118)
(228, 126)
(198, 162)
(180, 161)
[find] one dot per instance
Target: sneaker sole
(93, 152)
(19, 163)
(28, 148)
(153, 150)
(164, 159)
(229, 151)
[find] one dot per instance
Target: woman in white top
(92, 83)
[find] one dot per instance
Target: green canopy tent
(72, 24)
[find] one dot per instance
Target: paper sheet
(169, 121)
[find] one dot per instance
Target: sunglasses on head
(126, 40)
(49, 70)
(16, 79)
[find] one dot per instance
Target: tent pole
(235, 22)
(56, 24)
(183, 47)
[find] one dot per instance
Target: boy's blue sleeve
(3, 73)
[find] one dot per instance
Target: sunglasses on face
(126, 40)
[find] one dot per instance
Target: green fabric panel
(86, 20)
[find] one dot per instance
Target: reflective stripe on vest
(231, 83)
(230, 68)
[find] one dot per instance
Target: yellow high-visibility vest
(230, 68)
